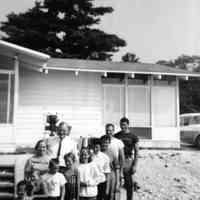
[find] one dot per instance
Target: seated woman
(38, 162)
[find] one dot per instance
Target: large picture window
(6, 98)
(143, 104)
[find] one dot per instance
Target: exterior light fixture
(132, 75)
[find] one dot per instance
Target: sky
(153, 29)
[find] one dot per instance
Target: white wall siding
(77, 100)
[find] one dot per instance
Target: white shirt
(53, 183)
(103, 164)
(90, 175)
(68, 145)
(115, 146)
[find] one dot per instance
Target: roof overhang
(25, 55)
(78, 65)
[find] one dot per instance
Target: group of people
(60, 171)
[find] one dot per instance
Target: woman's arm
(28, 169)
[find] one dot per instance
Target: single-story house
(87, 94)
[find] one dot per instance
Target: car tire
(197, 142)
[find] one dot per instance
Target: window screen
(139, 106)
(164, 109)
(113, 103)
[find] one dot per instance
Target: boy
(54, 182)
(103, 164)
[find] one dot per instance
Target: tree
(63, 28)
(189, 90)
(130, 57)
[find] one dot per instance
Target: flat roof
(65, 64)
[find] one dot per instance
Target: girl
(72, 178)
(90, 176)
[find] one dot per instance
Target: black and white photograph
(99, 100)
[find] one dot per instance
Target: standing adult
(62, 144)
(116, 146)
(130, 141)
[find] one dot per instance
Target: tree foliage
(130, 57)
(63, 28)
(189, 90)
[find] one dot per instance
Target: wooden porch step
(6, 195)
(6, 184)
(4, 174)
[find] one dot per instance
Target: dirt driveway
(168, 175)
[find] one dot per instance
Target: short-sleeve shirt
(115, 146)
(53, 183)
(103, 163)
(129, 140)
(68, 145)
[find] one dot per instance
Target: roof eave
(22, 50)
(119, 71)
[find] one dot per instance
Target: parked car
(190, 128)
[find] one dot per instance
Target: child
(89, 176)
(21, 191)
(72, 178)
(54, 182)
(114, 165)
(103, 163)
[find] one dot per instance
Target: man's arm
(136, 154)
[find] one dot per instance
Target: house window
(163, 108)
(137, 98)
(113, 103)
(139, 105)
(6, 98)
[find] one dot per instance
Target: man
(130, 145)
(62, 144)
(116, 146)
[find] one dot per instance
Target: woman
(39, 162)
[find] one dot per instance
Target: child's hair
(88, 151)
(112, 125)
(104, 138)
(21, 183)
(38, 143)
(96, 141)
(53, 162)
(70, 155)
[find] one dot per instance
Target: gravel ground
(168, 175)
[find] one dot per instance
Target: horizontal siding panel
(77, 100)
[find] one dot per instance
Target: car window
(185, 121)
(194, 120)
